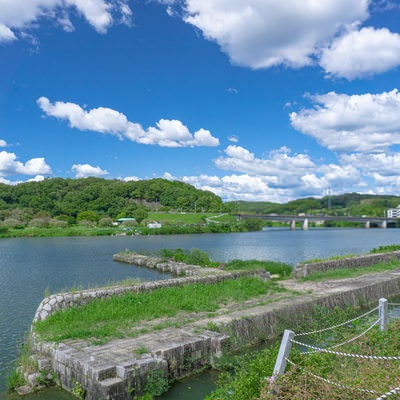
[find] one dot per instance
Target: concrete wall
(191, 274)
(303, 270)
(179, 355)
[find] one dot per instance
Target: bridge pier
(305, 225)
(367, 225)
(384, 224)
(293, 225)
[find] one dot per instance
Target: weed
(15, 379)
(141, 350)
(78, 391)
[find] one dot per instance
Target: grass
(377, 375)
(180, 218)
(116, 317)
(338, 257)
(274, 268)
(343, 273)
(244, 376)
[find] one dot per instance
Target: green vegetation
(119, 316)
(345, 204)
(386, 249)
(88, 206)
(274, 268)
(192, 256)
(244, 376)
(60, 202)
(343, 273)
(378, 375)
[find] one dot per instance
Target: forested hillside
(72, 200)
(345, 204)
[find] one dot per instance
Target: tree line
(68, 201)
(351, 204)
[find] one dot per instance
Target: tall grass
(378, 375)
(343, 273)
(119, 316)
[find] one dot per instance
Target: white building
(393, 212)
(154, 225)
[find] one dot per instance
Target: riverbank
(127, 364)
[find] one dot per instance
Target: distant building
(393, 212)
(120, 220)
(154, 225)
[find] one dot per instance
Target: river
(30, 267)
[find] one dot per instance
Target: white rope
(390, 393)
(394, 304)
(338, 353)
(347, 387)
(351, 339)
(337, 326)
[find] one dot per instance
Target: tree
(140, 214)
(87, 216)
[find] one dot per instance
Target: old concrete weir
(121, 368)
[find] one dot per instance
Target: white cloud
(131, 178)
(3, 143)
(362, 53)
(264, 33)
(10, 166)
(369, 164)
(18, 16)
(6, 34)
(86, 170)
(233, 139)
(278, 166)
(356, 123)
(166, 133)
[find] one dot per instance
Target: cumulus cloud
(86, 170)
(3, 143)
(362, 53)
(282, 176)
(130, 178)
(9, 165)
(370, 164)
(19, 16)
(261, 34)
(280, 163)
(352, 123)
(166, 133)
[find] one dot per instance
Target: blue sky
(251, 99)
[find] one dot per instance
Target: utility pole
(329, 198)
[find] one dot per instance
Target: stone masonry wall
(191, 274)
(303, 270)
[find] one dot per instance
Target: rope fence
(289, 339)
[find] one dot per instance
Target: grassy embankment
(343, 273)
(125, 315)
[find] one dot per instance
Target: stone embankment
(121, 368)
(304, 269)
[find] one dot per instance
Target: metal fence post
(383, 314)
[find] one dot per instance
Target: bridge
(305, 219)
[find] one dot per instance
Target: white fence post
(281, 359)
(383, 314)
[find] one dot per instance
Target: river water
(30, 267)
